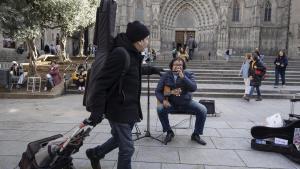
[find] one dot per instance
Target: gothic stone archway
(197, 16)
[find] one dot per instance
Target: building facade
(217, 25)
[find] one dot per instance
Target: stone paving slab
(265, 159)
(235, 133)
(231, 143)
(228, 136)
(8, 162)
(210, 157)
(181, 166)
(165, 155)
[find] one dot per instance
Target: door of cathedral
(181, 37)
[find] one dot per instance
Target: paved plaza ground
(228, 136)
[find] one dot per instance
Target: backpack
(261, 72)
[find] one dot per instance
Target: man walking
(191, 44)
(122, 109)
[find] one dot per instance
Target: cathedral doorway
(181, 37)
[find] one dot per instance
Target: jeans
(282, 75)
(122, 138)
(50, 80)
(198, 109)
(257, 91)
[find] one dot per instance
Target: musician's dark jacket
(124, 107)
(187, 85)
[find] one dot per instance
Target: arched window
(236, 11)
(268, 11)
(139, 11)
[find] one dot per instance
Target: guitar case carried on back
(103, 39)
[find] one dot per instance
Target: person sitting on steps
(53, 76)
(181, 84)
(79, 77)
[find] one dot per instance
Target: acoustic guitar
(167, 92)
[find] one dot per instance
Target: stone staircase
(218, 78)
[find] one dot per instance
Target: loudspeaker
(210, 106)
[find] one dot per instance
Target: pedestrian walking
(280, 63)
(244, 72)
(256, 73)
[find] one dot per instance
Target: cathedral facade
(217, 25)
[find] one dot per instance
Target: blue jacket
(187, 85)
(245, 69)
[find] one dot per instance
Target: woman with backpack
(257, 71)
(280, 63)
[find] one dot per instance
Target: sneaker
(258, 99)
(283, 86)
(246, 98)
(95, 161)
(196, 137)
(45, 89)
(275, 86)
(82, 88)
(79, 88)
(169, 136)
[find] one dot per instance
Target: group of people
(17, 73)
(53, 77)
(185, 52)
(253, 71)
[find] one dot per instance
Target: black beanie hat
(136, 31)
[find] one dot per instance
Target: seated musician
(181, 84)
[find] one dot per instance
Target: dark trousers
(191, 53)
(282, 76)
(121, 137)
(193, 106)
(80, 84)
(257, 91)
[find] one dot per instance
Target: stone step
(232, 95)
(203, 75)
(230, 71)
(221, 81)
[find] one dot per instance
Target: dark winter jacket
(187, 85)
(282, 61)
(121, 107)
(255, 67)
(16, 70)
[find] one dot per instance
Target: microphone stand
(147, 131)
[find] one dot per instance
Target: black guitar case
(103, 39)
(260, 133)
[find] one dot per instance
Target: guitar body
(167, 90)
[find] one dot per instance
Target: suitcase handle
(78, 130)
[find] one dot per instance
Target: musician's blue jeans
(192, 107)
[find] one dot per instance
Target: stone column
(155, 26)
(223, 28)
(256, 29)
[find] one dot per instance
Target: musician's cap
(136, 31)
